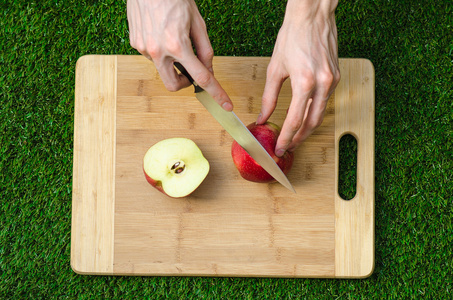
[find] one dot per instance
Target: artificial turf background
(411, 46)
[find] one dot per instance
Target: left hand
(306, 51)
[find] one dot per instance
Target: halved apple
(175, 166)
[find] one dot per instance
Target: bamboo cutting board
(228, 226)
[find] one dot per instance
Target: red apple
(175, 166)
(249, 169)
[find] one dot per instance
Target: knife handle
(184, 72)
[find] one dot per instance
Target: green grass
(411, 46)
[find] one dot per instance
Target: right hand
(163, 31)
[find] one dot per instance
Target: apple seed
(178, 167)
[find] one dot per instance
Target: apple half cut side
(175, 166)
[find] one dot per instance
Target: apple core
(178, 167)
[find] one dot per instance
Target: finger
(135, 21)
(274, 82)
(295, 117)
(314, 113)
(205, 79)
(200, 40)
(172, 80)
(334, 66)
(314, 117)
(326, 82)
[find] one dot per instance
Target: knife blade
(240, 133)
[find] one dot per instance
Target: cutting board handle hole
(347, 169)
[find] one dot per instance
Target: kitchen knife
(233, 125)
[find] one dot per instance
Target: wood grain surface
(228, 226)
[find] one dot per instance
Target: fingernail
(280, 152)
(227, 106)
(259, 118)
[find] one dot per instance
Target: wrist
(311, 9)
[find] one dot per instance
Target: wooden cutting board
(228, 226)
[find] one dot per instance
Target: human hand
(164, 31)
(306, 51)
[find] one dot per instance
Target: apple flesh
(175, 166)
(249, 169)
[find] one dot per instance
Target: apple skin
(156, 184)
(249, 169)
